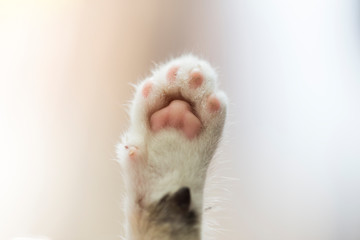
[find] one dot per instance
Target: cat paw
(181, 94)
(176, 121)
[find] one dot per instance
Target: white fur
(165, 161)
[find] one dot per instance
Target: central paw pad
(178, 114)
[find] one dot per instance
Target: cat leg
(176, 121)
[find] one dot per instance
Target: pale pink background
(291, 155)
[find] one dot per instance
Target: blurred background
(289, 166)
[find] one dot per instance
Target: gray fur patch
(173, 215)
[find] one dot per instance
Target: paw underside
(176, 121)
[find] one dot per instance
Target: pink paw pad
(213, 103)
(171, 75)
(146, 89)
(178, 114)
(196, 79)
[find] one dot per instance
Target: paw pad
(213, 103)
(196, 79)
(146, 89)
(177, 115)
(171, 75)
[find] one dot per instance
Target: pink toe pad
(171, 75)
(213, 103)
(196, 79)
(146, 89)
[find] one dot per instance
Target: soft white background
(292, 148)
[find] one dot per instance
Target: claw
(131, 152)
